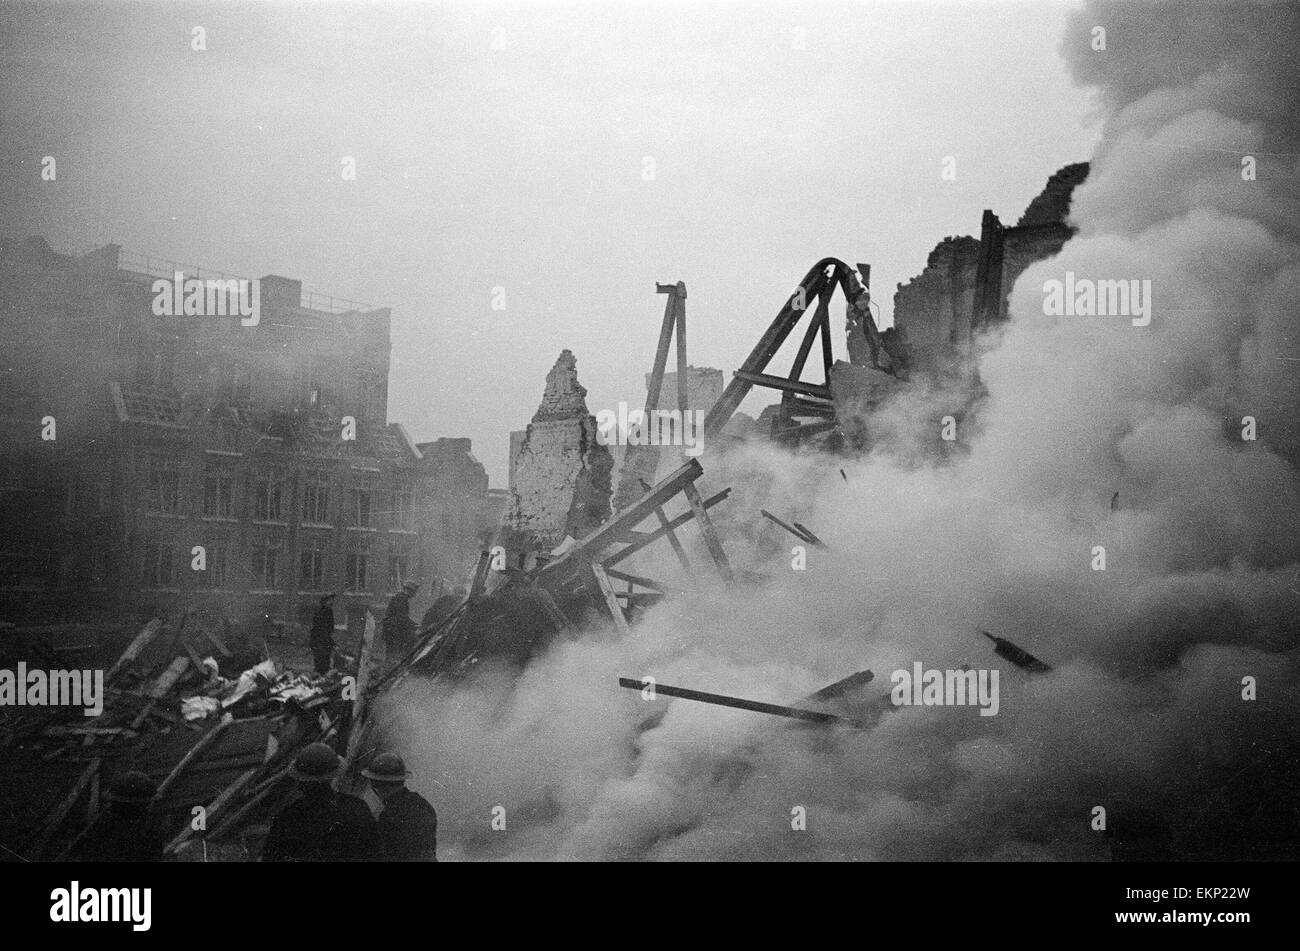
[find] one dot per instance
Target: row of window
(272, 498)
(164, 565)
(159, 365)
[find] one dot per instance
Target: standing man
(399, 629)
(319, 824)
(322, 635)
(408, 825)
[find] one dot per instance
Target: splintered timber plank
(635, 579)
(789, 528)
(141, 641)
(60, 811)
(654, 536)
(625, 519)
(480, 574)
(611, 599)
(706, 528)
(362, 695)
(738, 703)
(160, 687)
(193, 753)
(213, 811)
(842, 686)
(811, 537)
(672, 536)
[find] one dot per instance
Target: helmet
(316, 763)
(386, 768)
(132, 787)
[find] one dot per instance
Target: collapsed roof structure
(559, 566)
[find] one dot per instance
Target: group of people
(319, 824)
(399, 629)
(324, 825)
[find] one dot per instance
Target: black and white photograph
(650, 432)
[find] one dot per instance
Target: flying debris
(1017, 655)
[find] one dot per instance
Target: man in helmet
(124, 831)
(408, 825)
(399, 629)
(319, 824)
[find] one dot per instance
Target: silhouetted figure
(322, 635)
(399, 629)
(320, 825)
(408, 825)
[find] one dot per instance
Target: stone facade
(177, 433)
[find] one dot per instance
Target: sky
(559, 158)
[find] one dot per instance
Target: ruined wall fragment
(561, 473)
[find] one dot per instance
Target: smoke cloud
(1143, 713)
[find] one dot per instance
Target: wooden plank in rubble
(607, 592)
(706, 529)
(623, 521)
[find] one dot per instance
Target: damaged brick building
(240, 470)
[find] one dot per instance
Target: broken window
(214, 576)
(360, 506)
(159, 565)
(268, 497)
(266, 561)
(164, 486)
(218, 493)
(358, 575)
(307, 382)
(312, 574)
(403, 508)
(399, 567)
(316, 498)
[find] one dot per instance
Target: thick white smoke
(1143, 713)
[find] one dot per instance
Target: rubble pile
(212, 727)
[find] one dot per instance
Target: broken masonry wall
(561, 473)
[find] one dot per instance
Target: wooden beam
(783, 383)
(678, 522)
(789, 528)
(363, 689)
(212, 812)
(679, 301)
(138, 644)
(706, 527)
(193, 753)
(607, 592)
(673, 540)
(623, 520)
(479, 584)
(840, 687)
(161, 687)
(634, 579)
(811, 537)
(60, 812)
(739, 703)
